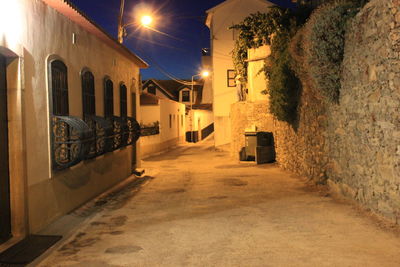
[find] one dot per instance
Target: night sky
(178, 50)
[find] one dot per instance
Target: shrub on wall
(274, 28)
(150, 129)
(318, 49)
(284, 86)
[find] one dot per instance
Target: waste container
(250, 145)
(259, 147)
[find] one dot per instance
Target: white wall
(222, 44)
(169, 135)
(177, 128)
(257, 84)
(206, 118)
(150, 114)
(36, 32)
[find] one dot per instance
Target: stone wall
(246, 115)
(364, 130)
(301, 148)
(354, 146)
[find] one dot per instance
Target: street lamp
(145, 20)
(204, 74)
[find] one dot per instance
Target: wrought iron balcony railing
(103, 131)
(126, 131)
(74, 140)
(71, 141)
(134, 131)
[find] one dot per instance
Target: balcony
(74, 139)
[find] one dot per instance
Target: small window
(59, 88)
(231, 78)
(151, 89)
(185, 96)
(170, 121)
(123, 101)
(108, 98)
(88, 94)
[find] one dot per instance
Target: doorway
(199, 129)
(134, 145)
(5, 210)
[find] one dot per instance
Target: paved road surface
(201, 208)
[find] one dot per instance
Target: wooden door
(5, 212)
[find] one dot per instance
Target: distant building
(162, 123)
(69, 101)
(219, 19)
(199, 116)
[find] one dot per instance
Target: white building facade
(71, 95)
(219, 20)
(163, 124)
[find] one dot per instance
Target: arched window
(59, 87)
(123, 100)
(108, 98)
(88, 95)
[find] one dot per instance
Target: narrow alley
(197, 207)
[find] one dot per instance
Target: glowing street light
(205, 73)
(146, 20)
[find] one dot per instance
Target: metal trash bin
(250, 145)
(259, 147)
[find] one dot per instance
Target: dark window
(231, 74)
(123, 102)
(108, 98)
(170, 121)
(185, 96)
(88, 95)
(151, 89)
(59, 88)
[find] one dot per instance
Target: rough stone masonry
(354, 146)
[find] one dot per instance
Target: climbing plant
(318, 49)
(274, 28)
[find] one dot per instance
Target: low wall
(246, 115)
(151, 145)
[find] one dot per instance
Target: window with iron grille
(59, 87)
(123, 101)
(108, 98)
(88, 95)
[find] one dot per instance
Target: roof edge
(92, 27)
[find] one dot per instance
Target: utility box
(250, 145)
(259, 147)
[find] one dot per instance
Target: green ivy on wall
(311, 55)
(274, 28)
